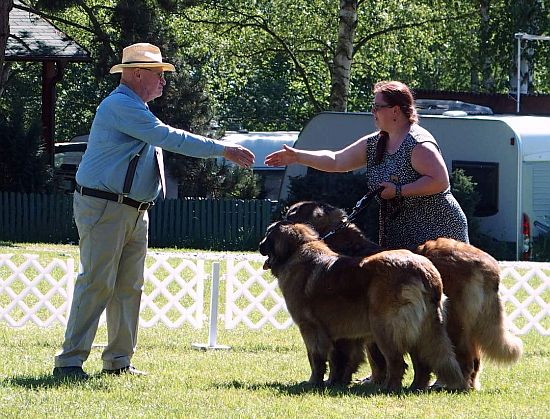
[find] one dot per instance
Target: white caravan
(507, 155)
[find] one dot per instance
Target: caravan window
(485, 175)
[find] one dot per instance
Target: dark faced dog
(474, 311)
(392, 298)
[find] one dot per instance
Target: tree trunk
(487, 82)
(5, 8)
(343, 56)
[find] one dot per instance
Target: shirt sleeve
(136, 120)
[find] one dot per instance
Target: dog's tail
(495, 341)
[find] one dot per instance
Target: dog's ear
(299, 212)
(333, 216)
(318, 211)
(319, 217)
(291, 212)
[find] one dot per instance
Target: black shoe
(70, 372)
(125, 370)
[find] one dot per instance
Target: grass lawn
(261, 376)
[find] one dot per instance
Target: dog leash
(359, 206)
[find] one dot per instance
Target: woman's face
(383, 112)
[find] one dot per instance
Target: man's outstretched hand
(238, 154)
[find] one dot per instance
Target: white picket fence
(175, 288)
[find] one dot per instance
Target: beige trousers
(113, 246)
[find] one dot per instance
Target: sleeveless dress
(411, 221)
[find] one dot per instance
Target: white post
(213, 323)
(213, 332)
(518, 81)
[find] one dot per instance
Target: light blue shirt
(123, 124)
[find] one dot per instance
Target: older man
(119, 177)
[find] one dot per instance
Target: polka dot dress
(411, 221)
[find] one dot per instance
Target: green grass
(260, 376)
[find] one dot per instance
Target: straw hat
(141, 55)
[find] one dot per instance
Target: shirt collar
(122, 88)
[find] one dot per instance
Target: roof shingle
(33, 38)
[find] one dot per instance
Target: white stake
(213, 331)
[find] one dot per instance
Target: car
(67, 157)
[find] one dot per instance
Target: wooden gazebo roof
(33, 38)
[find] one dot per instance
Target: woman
(402, 158)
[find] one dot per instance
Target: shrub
(204, 178)
(464, 190)
(24, 165)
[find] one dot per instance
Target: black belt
(121, 199)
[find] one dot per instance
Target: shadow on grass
(296, 389)
(49, 381)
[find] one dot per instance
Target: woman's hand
(238, 154)
(284, 157)
(389, 191)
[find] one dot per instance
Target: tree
(22, 161)
(343, 55)
(259, 61)
(321, 56)
(5, 9)
(105, 28)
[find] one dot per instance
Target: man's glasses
(159, 75)
(375, 107)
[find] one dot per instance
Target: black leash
(360, 206)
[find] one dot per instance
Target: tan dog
(475, 315)
(392, 298)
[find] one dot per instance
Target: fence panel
(33, 292)
(40, 292)
(525, 291)
(190, 222)
(174, 291)
(524, 288)
(252, 296)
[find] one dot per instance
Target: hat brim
(165, 66)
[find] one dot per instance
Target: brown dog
(392, 298)
(474, 311)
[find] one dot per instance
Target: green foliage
(22, 92)
(204, 178)
(266, 101)
(24, 166)
(464, 190)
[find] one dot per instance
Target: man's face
(152, 82)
